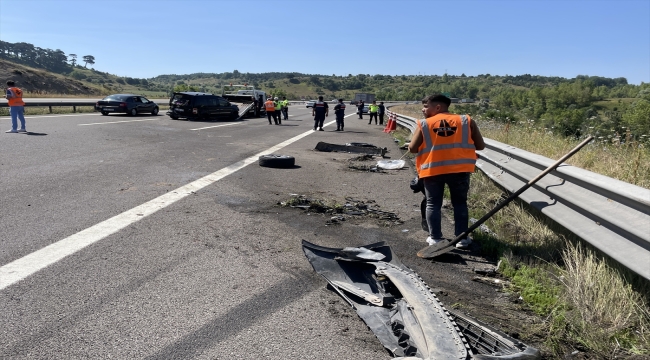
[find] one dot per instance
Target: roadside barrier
(611, 215)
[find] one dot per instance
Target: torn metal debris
(403, 312)
(365, 149)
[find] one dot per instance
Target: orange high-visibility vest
(17, 98)
(269, 105)
(447, 145)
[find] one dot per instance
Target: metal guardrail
(611, 215)
(72, 104)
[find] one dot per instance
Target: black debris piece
(323, 146)
(403, 312)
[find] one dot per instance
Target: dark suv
(201, 106)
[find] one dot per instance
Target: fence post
(74, 108)
(50, 108)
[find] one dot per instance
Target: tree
(73, 59)
(89, 59)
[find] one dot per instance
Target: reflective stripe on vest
(17, 97)
(269, 106)
(447, 148)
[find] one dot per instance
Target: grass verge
(44, 110)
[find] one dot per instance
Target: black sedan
(126, 103)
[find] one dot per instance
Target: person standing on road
(319, 112)
(372, 110)
(446, 146)
(360, 106)
(269, 106)
(278, 110)
(381, 112)
(339, 111)
(16, 104)
(285, 108)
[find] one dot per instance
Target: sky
(146, 38)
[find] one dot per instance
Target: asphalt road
(145, 237)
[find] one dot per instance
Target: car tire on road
(133, 112)
(277, 161)
(173, 117)
(104, 113)
(155, 111)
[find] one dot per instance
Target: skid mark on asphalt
(21, 268)
(124, 121)
(216, 126)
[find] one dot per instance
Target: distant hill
(39, 82)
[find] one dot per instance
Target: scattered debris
(491, 281)
(403, 312)
(352, 207)
(486, 272)
(373, 150)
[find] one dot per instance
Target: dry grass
(44, 110)
(606, 312)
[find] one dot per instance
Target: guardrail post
(74, 109)
(50, 108)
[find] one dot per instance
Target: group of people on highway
(277, 109)
(375, 111)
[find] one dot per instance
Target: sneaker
(464, 244)
(22, 130)
(432, 241)
(11, 131)
(314, 129)
(321, 129)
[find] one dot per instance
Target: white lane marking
(117, 122)
(21, 268)
(216, 126)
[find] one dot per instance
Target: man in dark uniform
(339, 110)
(319, 112)
(382, 111)
(360, 106)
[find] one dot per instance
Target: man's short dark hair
(340, 100)
(437, 98)
(320, 98)
(10, 83)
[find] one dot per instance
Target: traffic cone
(390, 119)
(393, 125)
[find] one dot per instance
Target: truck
(245, 97)
(367, 98)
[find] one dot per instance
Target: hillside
(39, 82)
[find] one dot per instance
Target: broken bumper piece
(403, 312)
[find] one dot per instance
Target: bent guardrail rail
(611, 215)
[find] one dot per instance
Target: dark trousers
(434, 188)
(371, 116)
(318, 121)
(339, 122)
(381, 119)
(360, 114)
(271, 114)
(278, 116)
(285, 113)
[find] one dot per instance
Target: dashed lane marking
(216, 126)
(19, 269)
(117, 122)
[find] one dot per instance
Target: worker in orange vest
(14, 98)
(269, 106)
(445, 145)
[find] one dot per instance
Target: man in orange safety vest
(14, 98)
(269, 106)
(445, 145)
